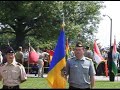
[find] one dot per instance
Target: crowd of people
(14, 66)
(80, 68)
(22, 56)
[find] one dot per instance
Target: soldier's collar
(83, 58)
(13, 63)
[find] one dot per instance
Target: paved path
(117, 78)
(33, 75)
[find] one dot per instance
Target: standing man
(12, 73)
(40, 65)
(19, 55)
(80, 70)
(88, 53)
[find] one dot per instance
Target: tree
(41, 20)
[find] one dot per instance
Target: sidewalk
(117, 78)
(33, 75)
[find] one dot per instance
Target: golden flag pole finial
(29, 43)
(8, 43)
(63, 23)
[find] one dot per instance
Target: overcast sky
(113, 10)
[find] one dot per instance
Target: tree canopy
(40, 21)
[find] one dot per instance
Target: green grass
(41, 83)
(107, 85)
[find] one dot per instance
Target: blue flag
(54, 77)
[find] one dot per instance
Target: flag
(67, 49)
(98, 57)
(114, 61)
(58, 62)
(33, 55)
(51, 52)
(114, 51)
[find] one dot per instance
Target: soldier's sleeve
(64, 71)
(67, 69)
(0, 74)
(92, 69)
(23, 75)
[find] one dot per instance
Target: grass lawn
(41, 83)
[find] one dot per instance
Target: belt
(10, 87)
(71, 87)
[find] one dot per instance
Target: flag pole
(8, 43)
(28, 58)
(117, 74)
(63, 23)
(117, 58)
(67, 45)
(54, 77)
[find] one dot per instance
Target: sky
(113, 11)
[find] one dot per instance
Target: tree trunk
(20, 38)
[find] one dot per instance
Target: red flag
(114, 51)
(114, 54)
(98, 57)
(33, 55)
(51, 52)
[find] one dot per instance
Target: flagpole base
(112, 77)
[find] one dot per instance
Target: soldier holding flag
(80, 70)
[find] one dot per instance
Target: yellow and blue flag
(58, 62)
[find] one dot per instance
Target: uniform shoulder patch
(88, 58)
(19, 64)
(72, 57)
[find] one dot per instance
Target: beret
(78, 44)
(10, 50)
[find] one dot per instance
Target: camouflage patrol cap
(79, 44)
(10, 50)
